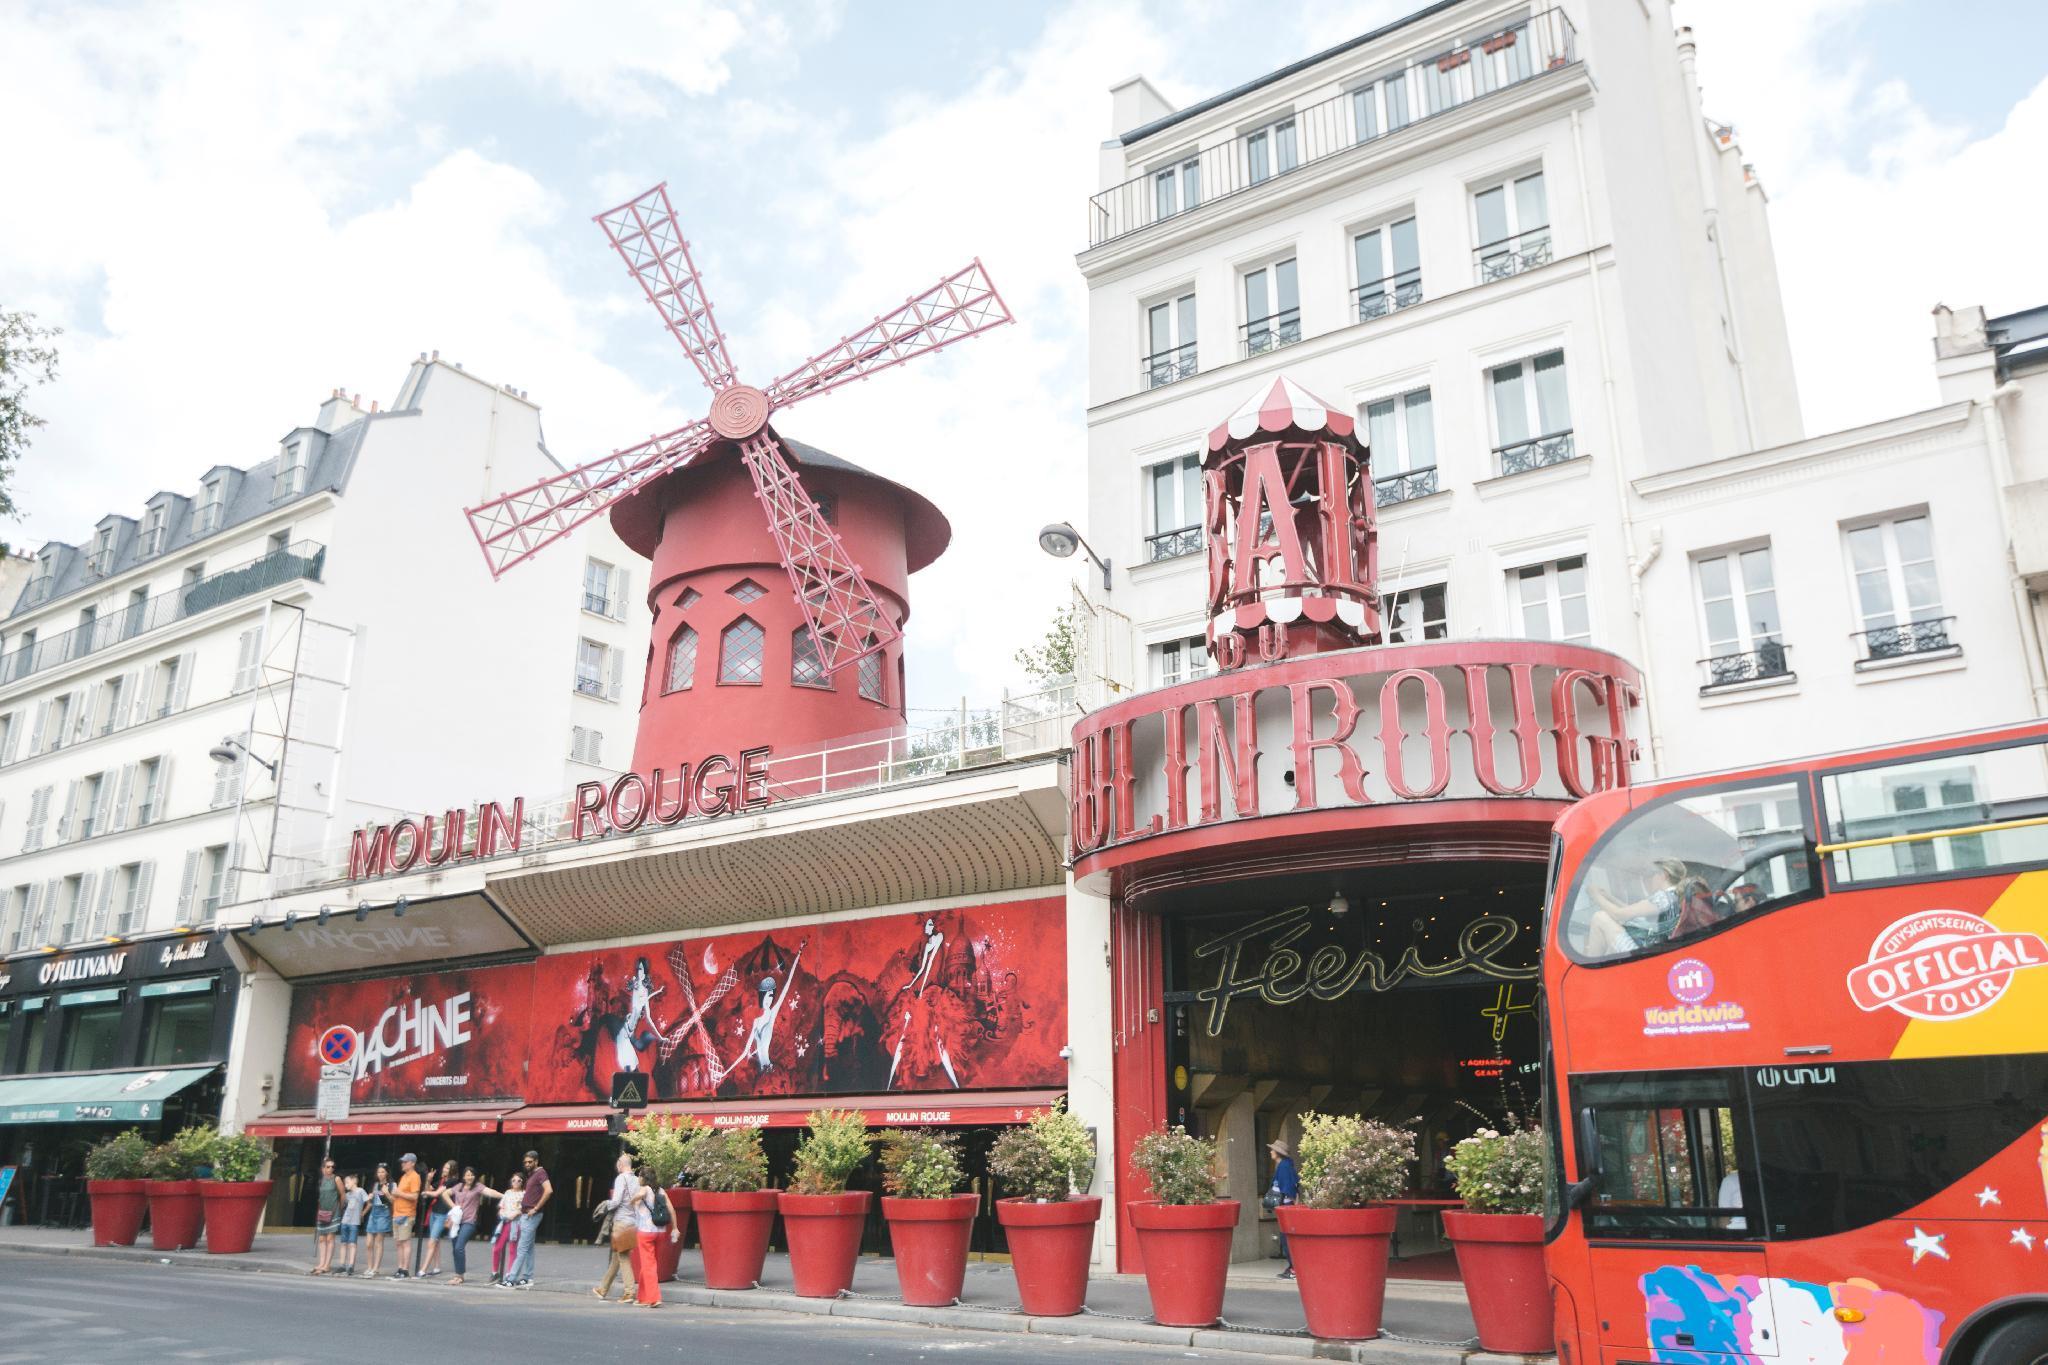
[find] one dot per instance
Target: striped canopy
(1283, 408)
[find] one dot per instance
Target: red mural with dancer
(968, 999)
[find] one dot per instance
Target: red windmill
(840, 609)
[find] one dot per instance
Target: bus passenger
(1616, 927)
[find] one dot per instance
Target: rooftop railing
(1404, 91)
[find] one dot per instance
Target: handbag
(1273, 1199)
(624, 1236)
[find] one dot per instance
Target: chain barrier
(1088, 1312)
(1467, 1344)
(956, 1303)
(1227, 1325)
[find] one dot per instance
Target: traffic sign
(330, 1104)
(629, 1090)
(337, 1046)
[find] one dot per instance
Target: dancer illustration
(761, 1028)
(922, 1027)
(631, 1037)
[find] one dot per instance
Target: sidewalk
(1426, 1323)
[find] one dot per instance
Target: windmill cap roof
(637, 517)
(1280, 408)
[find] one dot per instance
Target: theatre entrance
(1401, 993)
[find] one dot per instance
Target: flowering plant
(1180, 1167)
(1349, 1162)
(1051, 1158)
(1498, 1172)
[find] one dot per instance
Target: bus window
(1667, 1149)
(1946, 792)
(1688, 864)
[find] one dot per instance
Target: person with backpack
(651, 1214)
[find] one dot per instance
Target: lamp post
(1060, 540)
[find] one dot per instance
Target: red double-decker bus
(1796, 1034)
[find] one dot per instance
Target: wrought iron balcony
(1391, 294)
(304, 559)
(1173, 544)
(1165, 367)
(1765, 662)
(598, 603)
(1431, 81)
(1271, 332)
(589, 686)
(1416, 483)
(1537, 452)
(1909, 638)
(1525, 250)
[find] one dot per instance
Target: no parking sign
(337, 1049)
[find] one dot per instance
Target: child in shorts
(353, 1201)
(508, 1217)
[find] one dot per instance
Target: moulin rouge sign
(712, 787)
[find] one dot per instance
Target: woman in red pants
(631, 1193)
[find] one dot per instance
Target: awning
(395, 1121)
(558, 1118)
(881, 1111)
(94, 1096)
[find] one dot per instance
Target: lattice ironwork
(682, 661)
(1512, 255)
(1765, 662)
(806, 667)
(1389, 295)
(1172, 544)
(747, 590)
(1167, 367)
(742, 652)
(1522, 456)
(1416, 483)
(1907, 638)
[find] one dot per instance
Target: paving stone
(1257, 1343)
(1113, 1329)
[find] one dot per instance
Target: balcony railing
(301, 560)
(1391, 294)
(1416, 483)
(1431, 81)
(1536, 453)
(1765, 662)
(1173, 544)
(1167, 366)
(1271, 332)
(590, 687)
(1525, 250)
(1931, 636)
(598, 603)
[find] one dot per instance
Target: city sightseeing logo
(1691, 983)
(1940, 965)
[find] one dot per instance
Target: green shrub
(1050, 1158)
(1349, 1162)
(239, 1157)
(1497, 1172)
(184, 1156)
(1180, 1167)
(728, 1161)
(918, 1163)
(124, 1156)
(837, 1145)
(661, 1143)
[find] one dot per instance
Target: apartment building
(209, 688)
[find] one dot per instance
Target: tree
(1058, 655)
(26, 359)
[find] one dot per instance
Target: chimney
(338, 411)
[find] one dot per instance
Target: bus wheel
(2021, 1340)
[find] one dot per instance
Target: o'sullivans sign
(714, 786)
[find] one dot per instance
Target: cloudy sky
(232, 208)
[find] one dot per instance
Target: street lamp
(226, 752)
(1060, 540)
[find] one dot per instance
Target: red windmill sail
(842, 612)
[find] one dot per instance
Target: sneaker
(497, 1279)
(524, 1284)
(1287, 1274)
(399, 1275)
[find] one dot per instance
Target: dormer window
(212, 506)
(40, 586)
(102, 560)
(153, 524)
(290, 480)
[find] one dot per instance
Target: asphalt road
(77, 1309)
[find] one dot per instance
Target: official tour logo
(1940, 965)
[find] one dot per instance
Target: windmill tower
(775, 623)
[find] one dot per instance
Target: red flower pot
(929, 1238)
(233, 1209)
(824, 1239)
(733, 1229)
(174, 1214)
(117, 1209)
(1187, 1250)
(666, 1251)
(1049, 1249)
(1500, 1258)
(1340, 1266)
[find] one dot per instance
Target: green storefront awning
(94, 1097)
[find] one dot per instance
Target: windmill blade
(961, 305)
(644, 231)
(512, 527)
(846, 620)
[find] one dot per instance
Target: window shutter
(162, 801)
(103, 815)
(249, 647)
(13, 740)
(38, 816)
(617, 659)
(188, 887)
(230, 888)
(80, 924)
(622, 583)
(134, 700)
(89, 703)
(70, 809)
(52, 889)
(223, 784)
(183, 688)
(35, 737)
(144, 690)
(103, 907)
(135, 913)
(124, 797)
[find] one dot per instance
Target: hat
(1279, 1146)
(410, 1156)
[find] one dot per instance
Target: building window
(1401, 441)
(227, 782)
(1272, 307)
(1898, 596)
(102, 560)
(1380, 107)
(1170, 332)
(170, 685)
(90, 1033)
(1174, 508)
(1177, 187)
(290, 479)
(112, 705)
(1179, 661)
(133, 616)
(72, 893)
(59, 727)
(1416, 614)
(153, 525)
(128, 902)
(178, 1029)
(741, 651)
(10, 735)
(1271, 151)
(869, 671)
(1389, 265)
(690, 597)
(586, 746)
(149, 787)
(91, 790)
(682, 661)
(35, 1027)
(1511, 223)
(806, 665)
(193, 574)
(1552, 601)
(248, 660)
(212, 506)
(1532, 413)
(17, 930)
(597, 587)
(593, 660)
(1739, 617)
(747, 590)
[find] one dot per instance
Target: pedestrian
(437, 1220)
(354, 1199)
(462, 1201)
(538, 1191)
(405, 1204)
(326, 1217)
(639, 1198)
(615, 1233)
(507, 1233)
(1285, 1189)
(378, 1224)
